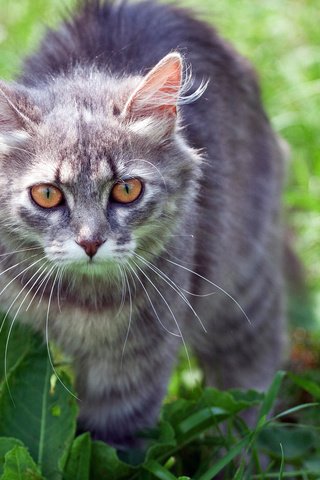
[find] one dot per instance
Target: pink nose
(90, 246)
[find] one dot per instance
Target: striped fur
(208, 220)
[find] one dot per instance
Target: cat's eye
(127, 191)
(46, 195)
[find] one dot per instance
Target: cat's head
(94, 168)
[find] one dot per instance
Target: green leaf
(14, 346)
(20, 466)
(105, 464)
(6, 444)
(295, 441)
(271, 395)
(158, 471)
(164, 442)
(223, 462)
(78, 463)
(307, 384)
(32, 419)
(313, 465)
(201, 421)
(282, 463)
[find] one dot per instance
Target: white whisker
(40, 285)
(170, 310)
(213, 284)
(47, 335)
(151, 303)
(130, 317)
(173, 285)
(17, 265)
(123, 292)
(14, 278)
(20, 251)
(14, 318)
(62, 269)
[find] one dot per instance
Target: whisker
(17, 265)
(170, 310)
(40, 285)
(151, 303)
(173, 285)
(20, 292)
(13, 320)
(20, 251)
(123, 292)
(130, 317)
(213, 284)
(201, 295)
(14, 278)
(47, 335)
(45, 284)
(62, 270)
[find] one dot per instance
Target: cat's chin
(101, 268)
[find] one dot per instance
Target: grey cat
(139, 188)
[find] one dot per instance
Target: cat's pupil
(48, 191)
(127, 188)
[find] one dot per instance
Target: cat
(140, 209)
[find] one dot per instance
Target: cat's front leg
(121, 391)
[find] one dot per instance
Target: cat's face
(93, 185)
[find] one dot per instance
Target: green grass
(281, 38)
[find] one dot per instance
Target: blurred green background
(282, 39)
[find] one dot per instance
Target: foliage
(200, 432)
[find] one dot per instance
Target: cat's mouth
(94, 267)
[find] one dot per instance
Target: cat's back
(125, 38)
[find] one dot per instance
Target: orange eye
(46, 195)
(126, 191)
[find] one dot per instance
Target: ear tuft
(158, 93)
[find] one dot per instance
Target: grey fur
(210, 203)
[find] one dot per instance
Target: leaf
(20, 466)
(271, 395)
(164, 442)
(295, 441)
(313, 465)
(200, 421)
(6, 444)
(78, 463)
(105, 464)
(32, 417)
(158, 471)
(306, 384)
(14, 347)
(223, 462)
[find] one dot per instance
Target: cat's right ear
(157, 95)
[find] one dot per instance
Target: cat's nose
(90, 246)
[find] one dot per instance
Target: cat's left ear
(17, 112)
(18, 117)
(158, 93)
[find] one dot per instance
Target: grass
(282, 40)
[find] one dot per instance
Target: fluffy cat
(140, 209)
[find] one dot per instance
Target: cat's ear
(157, 94)
(16, 112)
(16, 109)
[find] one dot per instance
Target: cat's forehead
(82, 135)
(81, 142)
